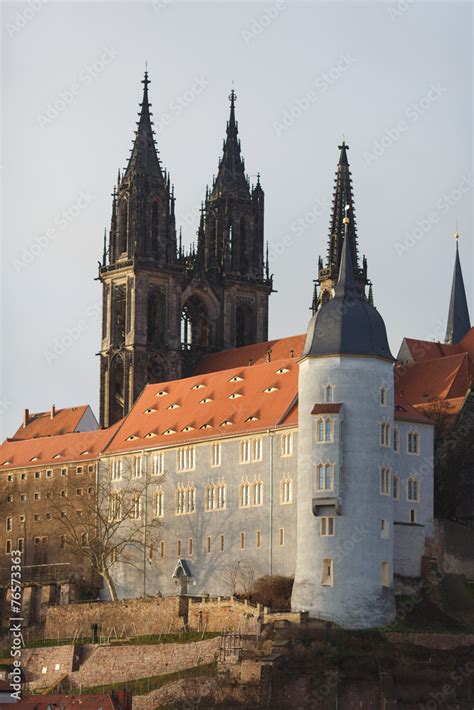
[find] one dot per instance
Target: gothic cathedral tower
(141, 278)
(225, 303)
(163, 309)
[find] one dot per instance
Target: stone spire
(342, 197)
(231, 174)
(458, 316)
(144, 157)
(347, 324)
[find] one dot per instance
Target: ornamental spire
(346, 282)
(458, 315)
(144, 156)
(231, 173)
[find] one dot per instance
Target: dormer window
(206, 426)
(206, 400)
(175, 405)
(150, 434)
(161, 393)
(168, 432)
(252, 419)
(199, 386)
(236, 378)
(35, 458)
(150, 410)
(272, 388)
(226, 422)
(235, 395)
(188, 428)
(282, 371)
(84, 453)
(132, 437)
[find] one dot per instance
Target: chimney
(53, 410)
(26, 417)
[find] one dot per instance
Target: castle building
(311, 456)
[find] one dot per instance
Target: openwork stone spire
(458, 316)
(343, 197)
(144, 156)
(231, 176)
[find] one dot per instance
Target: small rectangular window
(178, 548)
(242, 541)
(327, 526)
(208, 545)
(79, 491)
(384, 572)
(21, 544)
(385, 529)
(281, 536)
(215, 454)
(8, 547)
(190, 546)
(8, 524)
(257, 538)
(49, 473)
(162, 549)
(222, 543)
(22, 497)
(62, 542)
(37, 474)
(327, 579)
(37, 517)
(64, 472)
(79, 470)
(37, 496)
(413, 515)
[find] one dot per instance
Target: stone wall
(408, 548)
(453, 546)
(223, 615)
(135, 617)
(113, 664)
(41, 663)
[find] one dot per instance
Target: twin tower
(164, 307)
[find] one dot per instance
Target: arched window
(413, 442)
(195, 324)
(329, 393)
(116, 391)
(257, 493)
(123, 226)
(244, 494)
(154, 226)
(156, 318)
(328, 429)
(244, 325)
(244, 256)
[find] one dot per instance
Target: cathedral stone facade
(235, 457)
(164, 308)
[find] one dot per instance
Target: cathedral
(310, 456)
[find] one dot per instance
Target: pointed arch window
(123, 226)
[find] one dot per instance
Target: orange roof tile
(64, 421)
(424, 350)
(104, 701)
(78, 446)
(443, 378)
(282, 349)
(178, 411)
(407, 412)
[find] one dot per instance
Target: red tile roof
(443, 378)
(64, 421)
(282, 349)
(79, 446)
(424, 350)
(407, 412)
(227, 402)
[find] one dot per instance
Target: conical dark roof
(458, 316)
(347, 324)
(144, 156)
(231, 174)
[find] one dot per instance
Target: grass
(142, 686)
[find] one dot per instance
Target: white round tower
(344, 559)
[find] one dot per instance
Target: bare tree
(110, 523)
(238, 576)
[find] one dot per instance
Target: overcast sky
(394, 77)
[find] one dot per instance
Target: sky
(393, 78)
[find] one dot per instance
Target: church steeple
(458, 316)
(231, 176)
(342, 197)
(144, 157)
